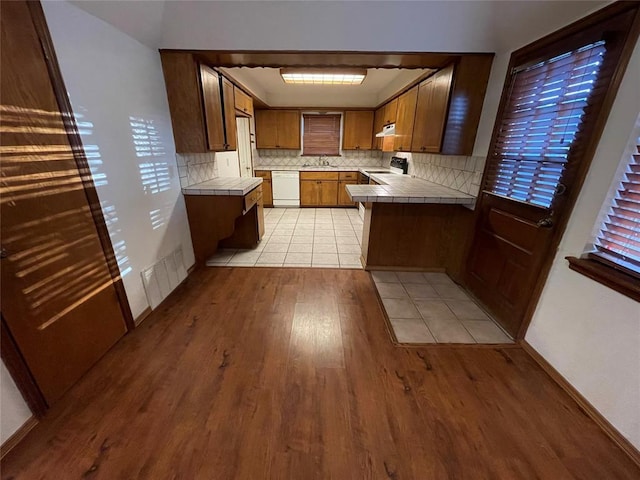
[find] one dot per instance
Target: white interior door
(244, 146)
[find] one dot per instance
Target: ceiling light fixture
(321, 76)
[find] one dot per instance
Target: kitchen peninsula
(412, 223)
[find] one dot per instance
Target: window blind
(620, 233)
(542, 116)
(321, 135)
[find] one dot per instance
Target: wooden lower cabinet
(267, 192)
(343, 197)
(326, 188)
(267, 187)
(224, 221)
(318, 193)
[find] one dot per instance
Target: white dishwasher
(286, 188)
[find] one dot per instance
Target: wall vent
(161, 279)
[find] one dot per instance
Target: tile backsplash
(458, 172)
(196, 167)
(349, 158)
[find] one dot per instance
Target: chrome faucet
(321, 161)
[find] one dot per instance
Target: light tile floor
(302, 237)
(430, 308)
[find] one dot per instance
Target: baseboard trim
(626, 446)
(140, 318)
(17, 437)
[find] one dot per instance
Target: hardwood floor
(262, 373)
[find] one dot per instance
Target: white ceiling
(392, 25)
(357, 26)
(379, 84)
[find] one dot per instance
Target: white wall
(588, 332)
(116, 87)
(329, 25)
(228, 164)
(13, 410)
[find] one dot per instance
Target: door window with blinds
(618, 240)
(542, 117)
(321, 134)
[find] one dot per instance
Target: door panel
(59, 300)
(212, 108)
(228, 104)
(328, 192)
(507, 249)
(288, 129)
(554, 104)
(244, 146)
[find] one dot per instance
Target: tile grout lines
(323, 238)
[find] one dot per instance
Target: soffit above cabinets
(379, 84)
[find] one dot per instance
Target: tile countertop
(223, 186)
(395, 188)
(321, 168)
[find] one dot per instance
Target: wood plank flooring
(290, 374)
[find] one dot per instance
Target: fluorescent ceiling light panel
(322, 77)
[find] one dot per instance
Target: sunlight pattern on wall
(100, 180)
(154, 173)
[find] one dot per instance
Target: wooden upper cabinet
(201, 105)
(278, 129)
(266, 129)
(431, 111)
(211, 97)
(288, 129)
(391, 111)
(405, 119)
(182, 80)
(243, 102)
(358, 128)
(228, 103)
(378, 123)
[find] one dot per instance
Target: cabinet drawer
(348, 175)
(262, 173)
(318, 175)
(251, 198)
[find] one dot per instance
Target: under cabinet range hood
(387, 131)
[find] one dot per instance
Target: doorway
(244, 146)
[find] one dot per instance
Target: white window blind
(542, 117)
(620, 233)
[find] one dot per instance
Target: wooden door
(358, 129)
(266, 129)
(391, 112)
(328, 192)
(59, 296)
(539, 155)
(243, 102)
(182, 80)
(309, 196)
(288, 129)
(405, 119)
(229, 111)
(244, 146)
(378, 123)
(267, 192)
(212, 108)
(343, 196)
(431, 111)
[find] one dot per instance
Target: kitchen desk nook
(224, 213)
(412, 223)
